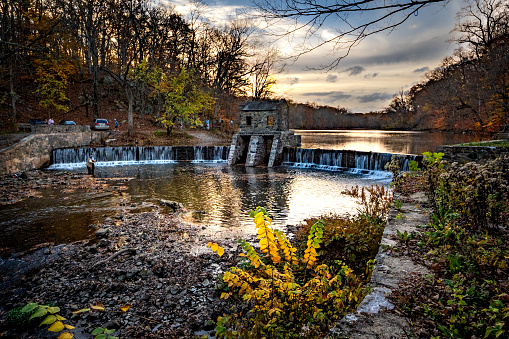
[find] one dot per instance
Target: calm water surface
(221, 195)
(405, 142)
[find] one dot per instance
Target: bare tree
(227, 68)
(483, 26)
(481, 22)
(355, 19)
(24, 28)
(86, 20)
(266, 66)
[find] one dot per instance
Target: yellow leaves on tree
(53, 79)
(183, 99)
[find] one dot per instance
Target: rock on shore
(153, 261)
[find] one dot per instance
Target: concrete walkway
(371, 320)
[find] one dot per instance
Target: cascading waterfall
(345, 160)
(330, 160)
(115, 156)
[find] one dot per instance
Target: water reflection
(405, 142)
(221, 196)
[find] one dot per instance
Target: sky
(374, 71)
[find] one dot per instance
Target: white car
(100, 124)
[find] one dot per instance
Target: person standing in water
(91, 165)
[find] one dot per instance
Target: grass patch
(496, 143)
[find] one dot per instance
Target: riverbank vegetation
(466, 246)
(282, 291)
(497, 143)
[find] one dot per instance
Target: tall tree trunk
(95, 101)
(216, 112)
(13, 95)
(130, 100)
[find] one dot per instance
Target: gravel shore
(154, 261)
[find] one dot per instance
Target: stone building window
(270, 120)
(248, 121)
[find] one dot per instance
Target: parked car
(100, 124)
(37, 122)
(67, 122)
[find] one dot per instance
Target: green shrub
(17, 319)
(287, 295)
(466, 243)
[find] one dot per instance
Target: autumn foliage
(288, 292)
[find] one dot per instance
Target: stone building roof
(260, 106)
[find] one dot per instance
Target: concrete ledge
(371, 320)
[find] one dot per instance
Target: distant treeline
(305, 116)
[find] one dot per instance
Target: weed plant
(354, 239)
(467, 248)
(302, 291)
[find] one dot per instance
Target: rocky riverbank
(153, 261)
(24, 185)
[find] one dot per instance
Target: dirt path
(205, 138)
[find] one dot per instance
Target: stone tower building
(264, 131)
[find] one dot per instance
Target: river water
(404, 142)
(221, 196)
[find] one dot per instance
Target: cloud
(374, 97)
(354, 70)
(331, 78)
(370, 75)
(421, 70)
(291, 80)
(330, 96)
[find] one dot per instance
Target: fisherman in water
(91, 165)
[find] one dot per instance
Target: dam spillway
(320, 159)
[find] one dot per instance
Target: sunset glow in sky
(375, 70)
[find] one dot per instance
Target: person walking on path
(116, 125)
(91, 165)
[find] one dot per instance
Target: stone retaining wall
(49, 129)
(34, 151)
(464, 154)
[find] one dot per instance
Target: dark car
(67, 122)
(37, 122)
(100, 124)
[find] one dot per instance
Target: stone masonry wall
(49, 129)
(34, 151)
(464, 154)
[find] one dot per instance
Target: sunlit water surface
(404, 142)
(222, 197)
